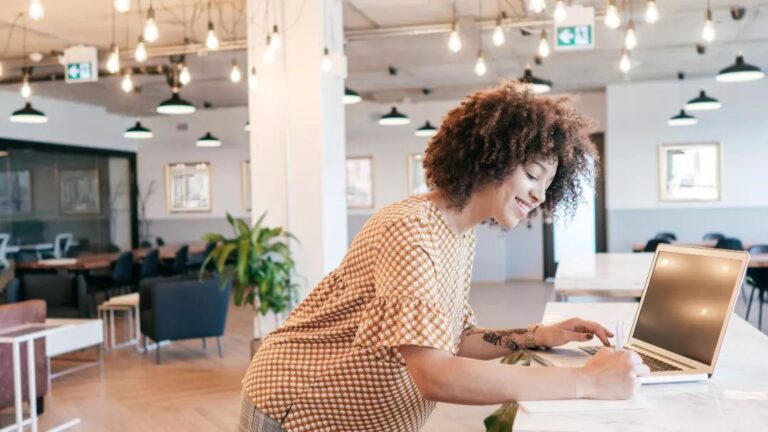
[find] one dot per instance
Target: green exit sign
(79, 72)
(574, 37)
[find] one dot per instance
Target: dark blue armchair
(65, 295)
(183, 308)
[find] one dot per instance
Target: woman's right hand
(613, 374)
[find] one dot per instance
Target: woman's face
(521, 192)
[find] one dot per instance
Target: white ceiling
(422, 61)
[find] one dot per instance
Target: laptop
(679, 327)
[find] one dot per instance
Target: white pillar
(297, 142)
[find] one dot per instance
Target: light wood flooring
(195, 390)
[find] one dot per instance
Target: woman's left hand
(573, 329)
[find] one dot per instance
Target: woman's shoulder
(415, 213)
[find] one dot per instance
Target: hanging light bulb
(253, 80)
(211, 41)
(184, 76)
(651, 12)
(708, 31)
(630, 39)
(1, 69)
(122, 6)
(269, 53)
(127, 83)
(454, 40)
(612, 18)
(140, 54)
(543, 45)
(536, 6)
(326, 64)
(624, 64)
(480, 67)
(498, 34)
(36, 10)
(560, 12)
(276, 40)
(113, 61)
(151, 33)
(26, 90)
(234, 74)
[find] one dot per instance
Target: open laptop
(680, 324)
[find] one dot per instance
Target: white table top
(734, 399)
(127, 300)
(603, 274)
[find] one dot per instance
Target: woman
(389, 333)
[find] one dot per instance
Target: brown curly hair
(493, 131)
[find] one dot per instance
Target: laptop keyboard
(654, 364)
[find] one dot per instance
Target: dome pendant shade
(682, 119)
(702, 102)
(138, 131)
(536, 84)
(351, 96)
(426, 131)
(208, 140)
(394, 118)
(740, 72)
(28, 115)
(175, 106)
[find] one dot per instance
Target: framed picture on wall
(417, 183)
(15, 193)
(79, 192)
(188, 187)
(690, 172)
(245, 173)
(360, 182)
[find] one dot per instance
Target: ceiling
(422, 60)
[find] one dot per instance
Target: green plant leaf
(221, 260)
(213, 237)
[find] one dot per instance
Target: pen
(619, 342)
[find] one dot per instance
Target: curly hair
(493, 131)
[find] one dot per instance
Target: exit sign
(81, 64)
(577, 31)
(78, 72)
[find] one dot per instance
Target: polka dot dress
(334, 365)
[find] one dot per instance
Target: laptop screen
(686, 303)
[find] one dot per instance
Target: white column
(297, 142)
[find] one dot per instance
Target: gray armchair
(65, 295)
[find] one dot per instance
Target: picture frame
(690, 172)
(360, 182)
(188, 187)
(245, 184)
(417, 182)
(79, 191)
(16, 193)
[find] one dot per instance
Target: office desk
(639, 247)
(735, 399)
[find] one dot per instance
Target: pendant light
(127, 83)
(682, 119)
(253, 80)
(247, 127)
(211, 40)
(36, 10)
(536, 6)
(394, 118)
(426, 131)
(702, 102)
(625, 65)
(175, 105)
(138, 131)
(612, 17)
(122, 6)
(351, 97)
(454, 40)
(276, 42)
(151, 32)
(708, 31)
(651, 12)
(28, 115)
(536, 84)
(543, 45)
(26, 90)
(480, 67)
(326, 64)
(560, 12)
(113, 61)
(630, 38)
(269, 53)
(208, 140)
(498, 33)
(234, 75)
(140, 54)
(740, 72)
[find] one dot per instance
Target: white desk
(735, 399)
(73, 335)
(619, 275)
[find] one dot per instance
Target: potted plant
(258, 261)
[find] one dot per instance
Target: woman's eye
(531, 177)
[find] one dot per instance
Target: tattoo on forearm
(502, 338)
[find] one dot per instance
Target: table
(734, 399)
(73, 335)
(128, 303)
(639, 247)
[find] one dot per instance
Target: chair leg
(157, 352)
(760, 314)
(218, 343)
(749, 305)
(204, 347)
(144, 343)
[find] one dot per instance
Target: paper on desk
(577, 405)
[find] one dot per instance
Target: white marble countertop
(734, 399)
(603, 274)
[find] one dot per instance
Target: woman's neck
(460, 221)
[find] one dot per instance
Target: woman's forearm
(487, 344)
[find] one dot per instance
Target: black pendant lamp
(702, 102)
(740, 72)
(28, 115)
(138, 131)
(351, 96)
(536, 84)
(426, 131)
(682, 119)
(175, 105)
(208, 140)
(394, 118)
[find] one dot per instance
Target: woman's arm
(441, 377)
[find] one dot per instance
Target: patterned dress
(334, 365)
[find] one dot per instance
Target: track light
(113, 61)
(151, 32)
(253, 80)
(454, 40)
(28, 115)
(326, 64)
(630, 38)
(612, 18)
(122, 6)
(543, 45)
(36, 10)
(651, 12)
(480, 67)
(498, 33)
(536, 6)
(211, 41)
(708, 31)
(234, 74)
(560, 13)
(127, 83)
(140, 54)
(624, 64)
(184, 76)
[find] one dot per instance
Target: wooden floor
(195, 390)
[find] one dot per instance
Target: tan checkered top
(334, 365)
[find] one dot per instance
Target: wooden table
(640, 247)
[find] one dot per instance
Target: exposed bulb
(454, 41)
(498, 36)
(480, 67)
(184, 76)
(276, 40)
(1, 69)
(151, 33)
(651, 12)
(536, 6)
(630, 39)
(560, 12)
(211, 41)
(253, 80)
(624, 63)
(26, 90)
(269, 56)
(612, 18)
(543, 45)
(113, 61)
(326, 64)
(708, 31)
(235, 75)
(140, 54)
(36, 10)
(122, 6)
(127, 83)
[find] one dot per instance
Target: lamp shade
(536, 84)
(28, 115)
(702, 102)
(740, 72)
(208, 140)
(247, 127)
(394, 118)
(138, 131)
(351, 96)
(682, 119)
(175, 105)
(426, 131)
